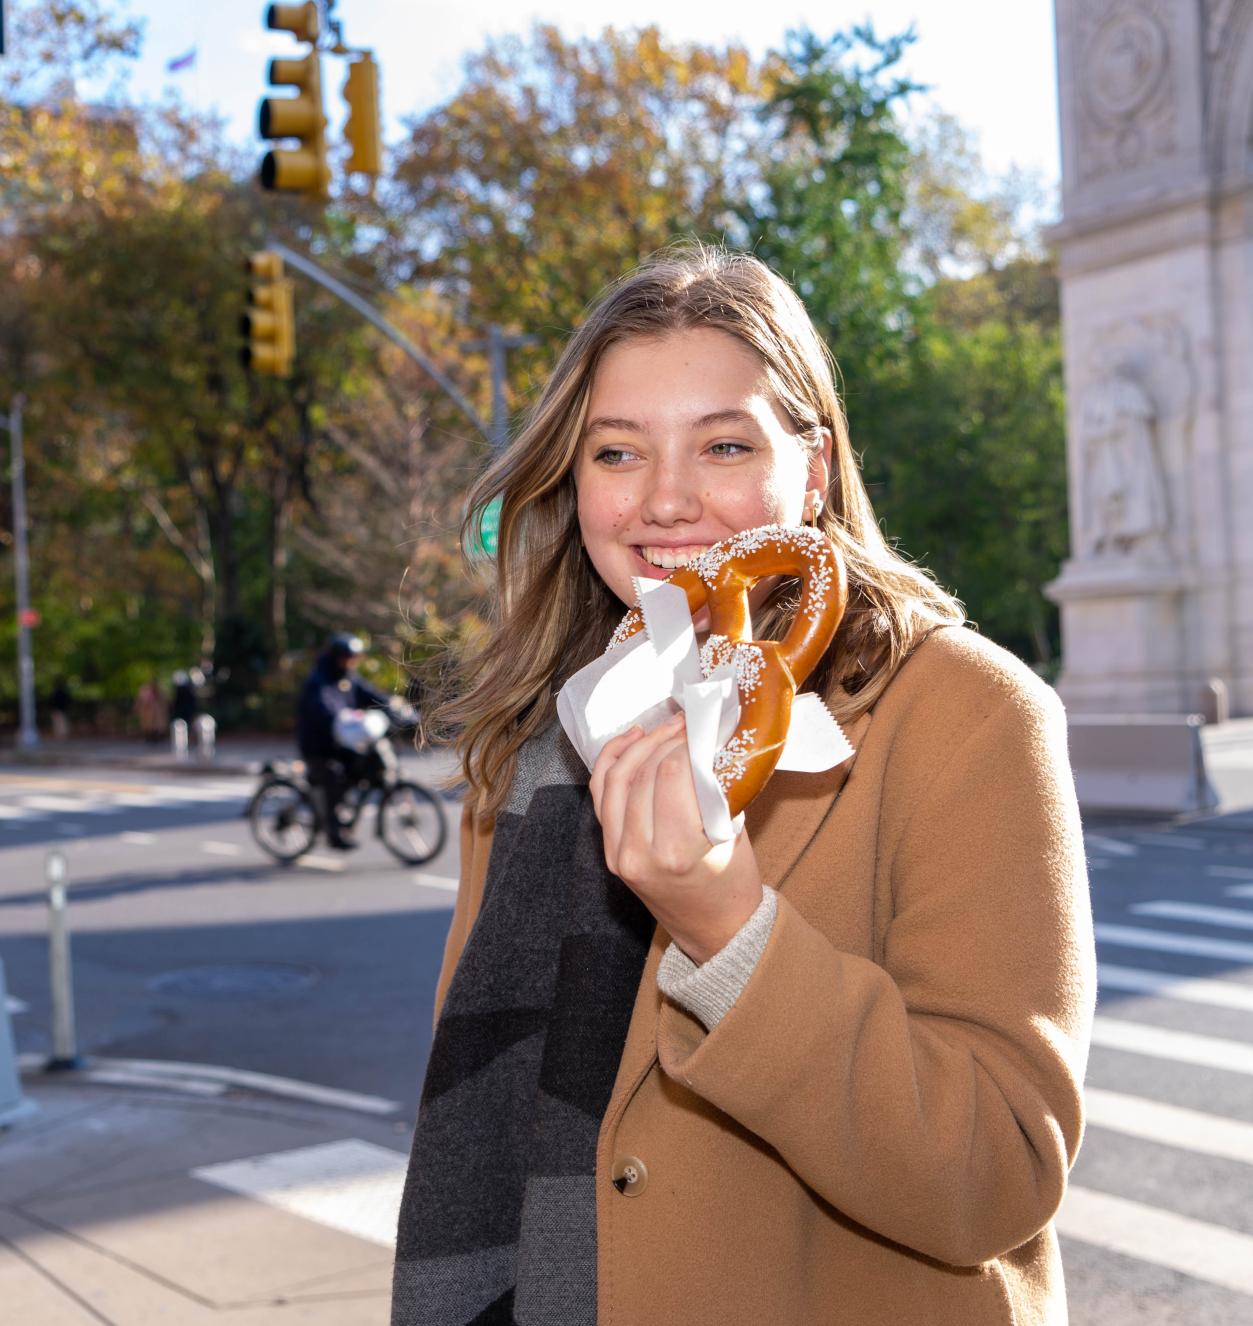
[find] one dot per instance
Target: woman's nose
(670, 496)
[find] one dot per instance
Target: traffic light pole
(498, 344)
(28, 735)
(393, 334)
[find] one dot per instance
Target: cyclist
(330, 689)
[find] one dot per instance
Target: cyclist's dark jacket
(327, 690)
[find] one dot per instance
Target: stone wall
(1156, 259)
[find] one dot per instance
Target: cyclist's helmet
(345, 645)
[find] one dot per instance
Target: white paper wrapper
(656, 674)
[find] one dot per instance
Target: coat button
(630, 1177)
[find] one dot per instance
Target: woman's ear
(819, 473)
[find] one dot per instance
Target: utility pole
(497, 344)
(28, 735)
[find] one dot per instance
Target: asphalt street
(189, 946)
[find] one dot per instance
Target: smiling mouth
(670, 559)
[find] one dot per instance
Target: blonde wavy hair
(553, 614)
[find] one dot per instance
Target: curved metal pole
(376, 319)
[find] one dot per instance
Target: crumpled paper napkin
(657, 673)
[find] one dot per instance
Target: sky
(991, 63)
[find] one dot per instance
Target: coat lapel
(782, 823)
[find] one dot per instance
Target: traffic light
(300, 169)
(269, 323)
(361, 92)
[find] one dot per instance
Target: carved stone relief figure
(1124, 508)
(1217, 13)
(1127, 87)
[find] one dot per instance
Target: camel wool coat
(879, 1131)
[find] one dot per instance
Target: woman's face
(685, 446)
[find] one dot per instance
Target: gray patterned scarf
(498, 1219)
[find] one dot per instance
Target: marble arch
(1155, 253)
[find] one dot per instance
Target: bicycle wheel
(283, 819)
(412, 823)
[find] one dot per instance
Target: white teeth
(670, 559)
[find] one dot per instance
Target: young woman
(829, 1072)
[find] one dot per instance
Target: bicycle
(285, 821)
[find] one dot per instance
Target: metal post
(13, 1105)
(178, 738)
(497, 344)
(64, 1048)
(376, 319)
(28, 735)
(206, 736)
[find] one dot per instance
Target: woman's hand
(645, 800)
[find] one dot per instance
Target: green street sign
(487, 530)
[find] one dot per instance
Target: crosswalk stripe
(1229, 872)
(1190, 989)
(1194, 1247)
(1172, 840)
(1239, 891)
(1114, 846)
(1230, 917)
(73, 805)
(1183, 1047)
(13, 813)
(1166, 941)
(1171, 1125)
(221, 849)
(350, 1185)
(138, 839)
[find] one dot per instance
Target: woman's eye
(729, 449)
(614, 455)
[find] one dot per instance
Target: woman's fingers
(605, 761)
(615, 783)
(637, 833)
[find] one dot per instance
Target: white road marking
(13, 1004)
(73, 805)
(1183, 1047)
(1203, 1251)
(199, 793)
(137, 800)
(1153, 1121)
(1172, 840)
(1239, 891)
(116, 1077)
(1114, 846)
(1229, 872)
(331, 863)
(138, 839)
(435, 881)
(221, 849)
(267, 1082)
(1192, 990)
(351, 1185)
(1231, 917)
(14, 813)
(1165, 941)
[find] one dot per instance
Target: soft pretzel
(768, 673)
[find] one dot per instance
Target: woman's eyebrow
(606, 422)
(609, 423)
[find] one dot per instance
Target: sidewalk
(234, 756)
(203, 1204)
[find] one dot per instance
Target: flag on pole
(187, 61)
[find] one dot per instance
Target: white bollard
(64, 1048)
(13, 1105)
(206, 736)
(178, 738)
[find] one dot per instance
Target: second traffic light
(300, 169)
(361, 92)
(269, 324)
